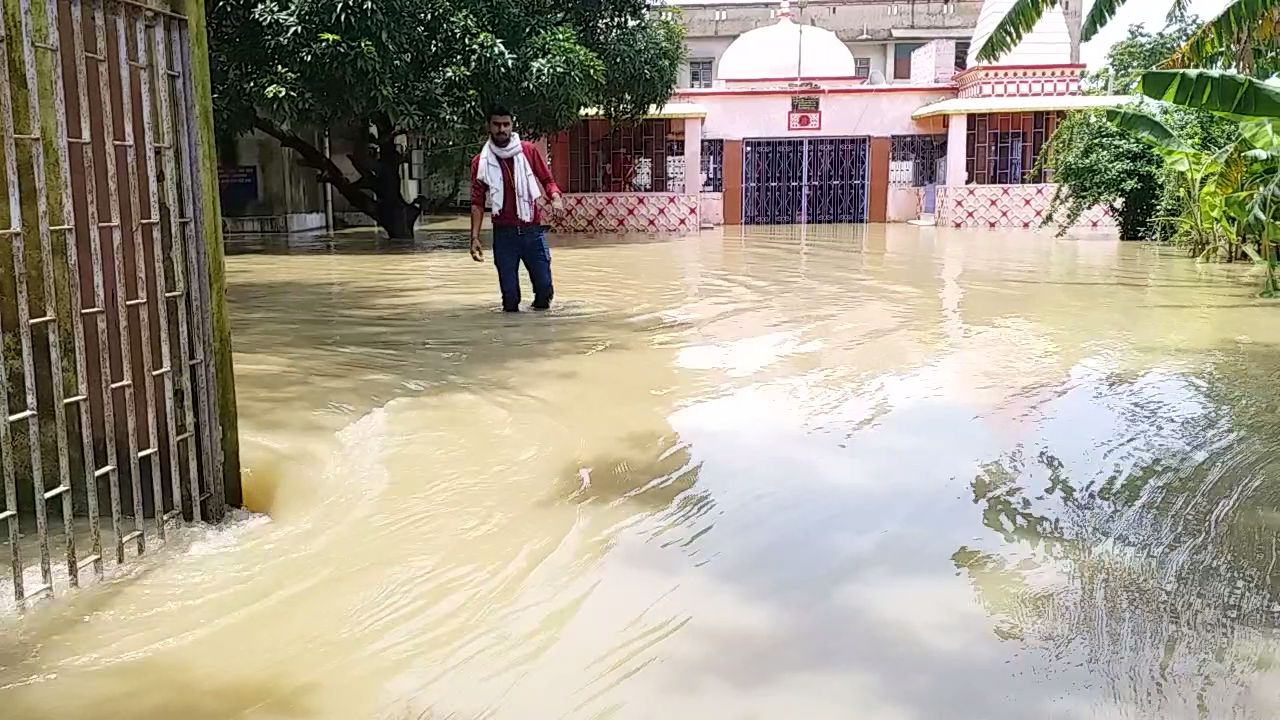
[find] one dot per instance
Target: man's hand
(477, 251)
(557, 202)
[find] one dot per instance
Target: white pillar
(957, 151)
(890, 61)
(692, 156)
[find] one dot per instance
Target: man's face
(500, 130)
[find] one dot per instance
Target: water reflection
(890, 473)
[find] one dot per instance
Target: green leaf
(1232, 33)
(1146, 128)
(1212, 90)
(1015, 25)
(1262, 134)
(1099, 15)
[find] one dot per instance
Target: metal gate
(818, 180)
(106, 412)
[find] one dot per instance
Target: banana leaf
(1103, 11)
(1147, 128)
(1240, 26)
(1015, 25)
(1212, 90)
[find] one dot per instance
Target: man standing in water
(509, 176)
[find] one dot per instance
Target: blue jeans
(513, 244)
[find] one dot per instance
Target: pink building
(791, 132)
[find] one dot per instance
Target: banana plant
(1257, 105)
(1234, 193)
(1203, 180)
(1216, 91)
(1233, 37)
(1256, 205)
(1024, 14)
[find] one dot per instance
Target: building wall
(861, 113)
(934, 63)
(905, 203)
(877, 52)
(875, 114)
(283, 196)
(881, 19)
(628, 212)
(701, 48)
(880, 55)
(869, 28)
(1008, 206)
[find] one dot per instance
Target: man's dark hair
(498, 111)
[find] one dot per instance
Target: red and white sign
(811, 120)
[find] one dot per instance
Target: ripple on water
(779, 472)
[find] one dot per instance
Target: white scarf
(528, 190)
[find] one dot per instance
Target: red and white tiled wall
(1007, 206)
(628, 212)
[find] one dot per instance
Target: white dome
(786, 50)
(1048, 43)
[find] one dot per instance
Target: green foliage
(430, 68)
(1233, 39)
(1216, 91)
(1139, 52)
(1102, 11)
(1224, 200)
(1096, 163)
(1023, 16)
(1242, 36)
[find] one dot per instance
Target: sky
(1148, 12)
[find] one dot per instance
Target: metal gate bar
(153, 292)
(836, 184)
(97, 311)
(14, 233)
(73, 317)
(122, 342)
(805, 180)
(178, 358)
(134, 259)
(135, 306)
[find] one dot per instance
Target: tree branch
(313, 158)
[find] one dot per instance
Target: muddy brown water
(875, 473)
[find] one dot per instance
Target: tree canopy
(1141, 51)
(429, 68)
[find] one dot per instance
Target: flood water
(876, 473)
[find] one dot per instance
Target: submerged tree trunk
(398, 218)
(376, 193)
(395, 215)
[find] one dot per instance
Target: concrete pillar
(692, 156)
(889, 61)
(878, 192)
(957, 151)
(732, 182)
(559, 159)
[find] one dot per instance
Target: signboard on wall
(805, 103)
(797, 120)
(238, 184)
